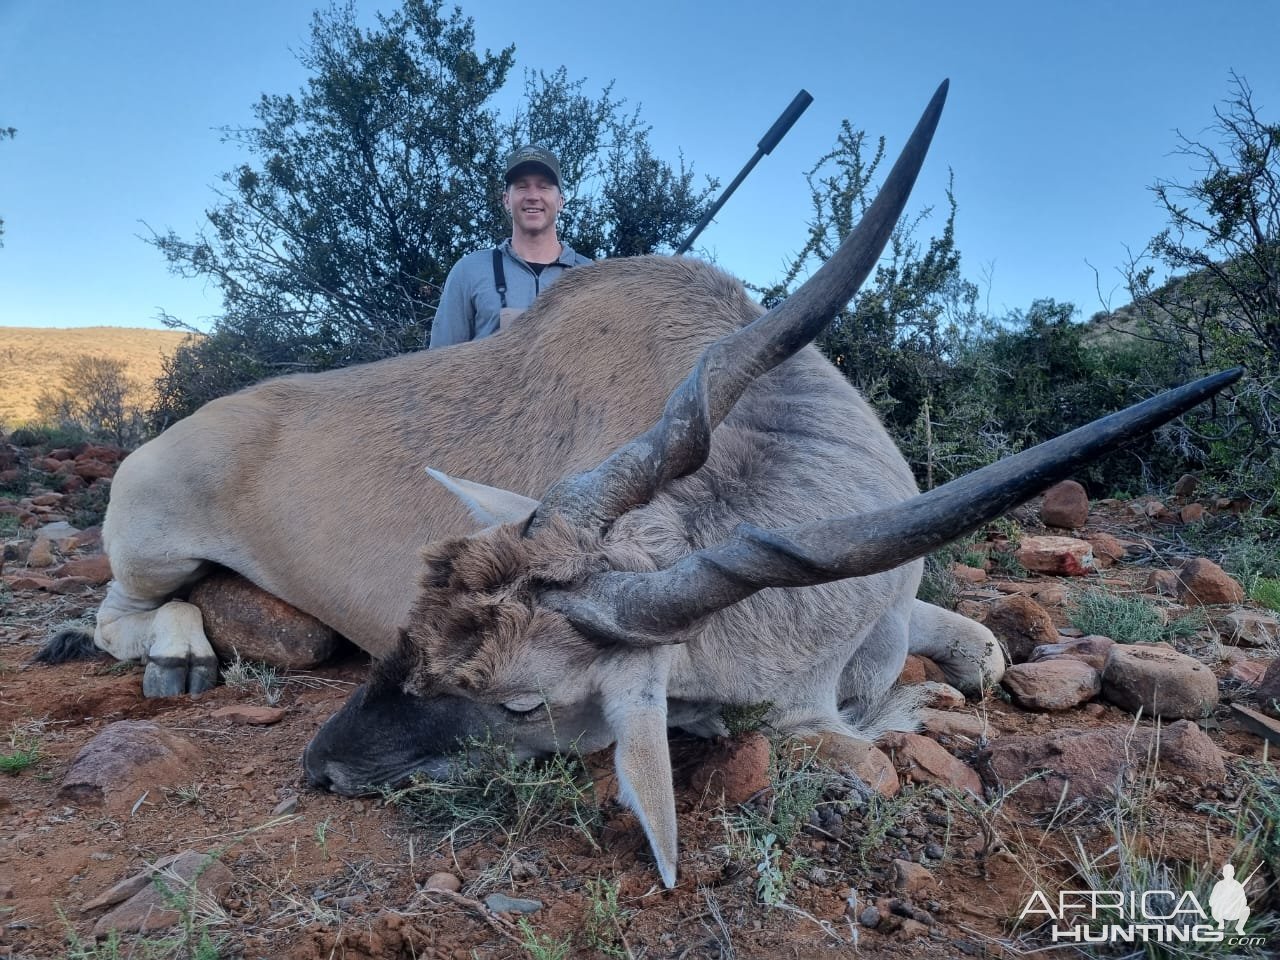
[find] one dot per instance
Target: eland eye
(522, 706)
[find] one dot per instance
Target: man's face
(533, 200)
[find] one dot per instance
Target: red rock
(1247, 628)
(1248, 673)
(105, 452)
(93, 469)
(1064, 556)
(954, 723)
(1107, 550)
(1093, 764)
(858, 757)
(1186, 486)
(62, 453)
(443, 881)
(152, 908)
(242, 619)
(127, 759)
(1191, 513)
(968, 574)
(95, 570)
(1066, 505)
(1020, 624)
(921, 760)
(1204, 583)
(249, 715)
(912, 879)
(737, 768)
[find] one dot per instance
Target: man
(490, 288)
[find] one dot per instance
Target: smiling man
(490, 288)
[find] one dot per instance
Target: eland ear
(489, 505)
(635, 704)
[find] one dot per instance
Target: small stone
(501, 903)
(1248, 673)
(1093, 650)
(1164, 583)
(1063, 556)
(948, 723)
(41, 555)
(968, 574)
(1204, 582)
(286, 806)
(1020, 624)
(858, 757)
(1066, 506)
(246, 714)
(934, 851)
(1191, 513)
(1247, 628)
(921, 760)
(1052, 684)
(1107, 550)
(152, 907)
(942, 696)
(443, 881)
(912, 879)
(128, 759)
(1186, 486)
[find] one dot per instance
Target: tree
(893, 341)
(330, 244)
(1222, 307)
(6, 133)
(96, 397)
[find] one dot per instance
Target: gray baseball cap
(532, 155)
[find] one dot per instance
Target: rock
(1066, 506)
(127, 759)
(950, 723)
(104, 452)
(1021, 625)
(1164, 583)
(921, 760)
(857, 757)
(1093, 650)
(93, 470)
(1247, 628)
(286, 806)
(1186, 486)
(941, 695)
(151, 908)
(737, 768)
(501, 903)
(1094, 764)
(1269, 690)
(1158, 680)
(913, 880)
(920, 669)
(968, 574)
(61, 534)
(1204, 582)
(96, 570)
(246, 714)
(869, 917)
(1107, 550)
(240, 618)
(1248, 673)
(41, 555)
(1191, 513)
(1049, 594)
(443, 881)
(1063, 556)
(1258, 724)
(127, 887)
(1052, 684)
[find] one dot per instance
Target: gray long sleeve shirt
(470, 306)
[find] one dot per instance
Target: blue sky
(1060, 117)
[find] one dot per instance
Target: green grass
(489, 792)
(602, 923)
(540, 946)
(1126, 619)
(1265, 591)
(23, 748)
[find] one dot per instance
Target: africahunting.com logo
(1146, 916)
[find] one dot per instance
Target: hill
(31, 359)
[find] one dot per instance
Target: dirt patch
(319, 876)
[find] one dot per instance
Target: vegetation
(1127, 619)
(96, 399)
(331, 242)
